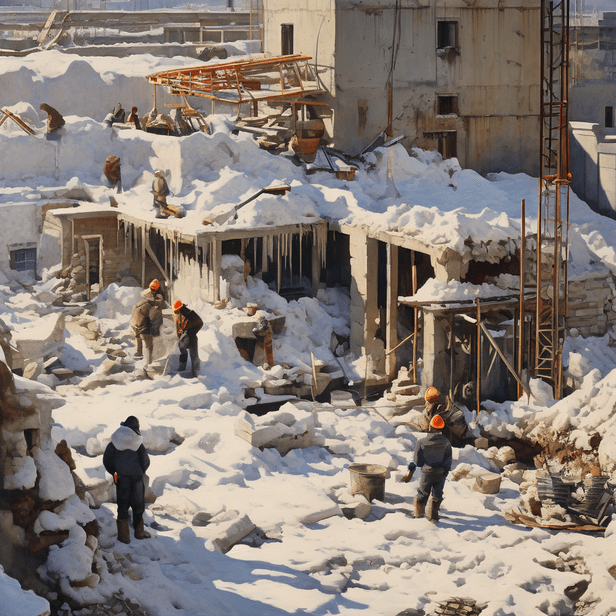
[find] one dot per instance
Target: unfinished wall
(592, 304)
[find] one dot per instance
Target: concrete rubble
(292, 427)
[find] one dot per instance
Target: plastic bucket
(369, 480)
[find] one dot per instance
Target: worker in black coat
(187, 324)
(434, 455)
(126, 459)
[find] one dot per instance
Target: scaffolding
(554, 180)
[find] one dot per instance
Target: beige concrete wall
(494, 72)
(593, 166)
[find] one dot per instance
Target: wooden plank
(47, 27)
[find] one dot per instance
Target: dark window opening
(286, 44)
(609, 117)
(446, 142)
(23, 260)
(32, 438)
(447, 32)
(446, 105)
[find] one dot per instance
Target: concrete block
(481, 443)
(505, 455)
(488, 483)
(227, 529)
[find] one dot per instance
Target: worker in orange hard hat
(187, 324)
(433, 454)
(433, 407)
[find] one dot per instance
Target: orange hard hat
(177, 305)
(437, 422)
(432, 394)
(154, 285)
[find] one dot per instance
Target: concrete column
(435, 356)
(364, 272)
(391, 331)
(216, 267)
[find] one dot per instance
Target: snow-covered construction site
(337, 289)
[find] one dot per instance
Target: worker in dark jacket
(187, 324)
(433, 455)
(126, 459)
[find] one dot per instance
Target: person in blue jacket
(126, 460)
(433, 455)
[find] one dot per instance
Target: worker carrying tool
(187, 324)
(127, 460)
(433, 455)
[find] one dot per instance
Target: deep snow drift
(305, 558)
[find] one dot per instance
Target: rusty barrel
(369, 480)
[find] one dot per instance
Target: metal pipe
(521, 331)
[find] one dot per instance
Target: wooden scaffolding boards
(284, 78)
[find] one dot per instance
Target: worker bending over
(433, 455)
(187, 324)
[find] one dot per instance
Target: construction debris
(6, 114)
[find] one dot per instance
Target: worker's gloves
(407, 477)
(412, 466)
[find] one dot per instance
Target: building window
(286, 45)
(446, 105)
(23, 259)
(447, 34)
(609, 117)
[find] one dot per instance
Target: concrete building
(458, 77)
(592, 112)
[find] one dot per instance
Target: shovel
(220, 219)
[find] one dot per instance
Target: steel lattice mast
(554, 180)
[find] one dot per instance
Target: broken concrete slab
(226, 529)
(289, 428)
(41, 339)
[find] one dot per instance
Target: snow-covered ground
(306, 557)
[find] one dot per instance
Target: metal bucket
(369, 480)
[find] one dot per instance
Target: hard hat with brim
(437, 422)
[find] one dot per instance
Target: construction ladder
(554, 180)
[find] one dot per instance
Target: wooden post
(415, 315)
(316, 265)
(391, 332)
(143, 257)
(522, 328)
(478, 392)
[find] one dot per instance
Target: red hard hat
(177, 305)
(155, 284)
(437, 422)
(432, 394)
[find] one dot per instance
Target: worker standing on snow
(127, 460)
(146, 321)
(160, 190)
(433, 455)
(187, 324)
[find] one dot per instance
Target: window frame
(445, 31)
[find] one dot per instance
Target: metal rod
(521, 330)
(478, 392)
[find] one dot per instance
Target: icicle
(291, 257)
(301, 253)
(279, 265)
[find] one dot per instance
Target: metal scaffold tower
(554, 180)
